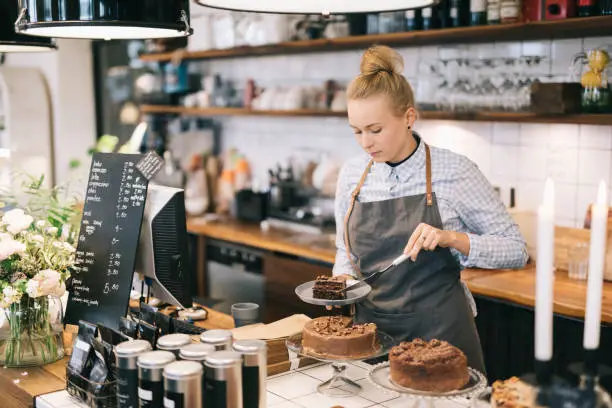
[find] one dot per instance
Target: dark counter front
(505, 298)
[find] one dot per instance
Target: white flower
(41, 224)
(65, 231)
(38, 238)
(49, 283)
(68, 247)
(51, 231)
(9, 247)
(33, 288)
(11, 295)
(17, 220)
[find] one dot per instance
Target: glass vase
(31, 332)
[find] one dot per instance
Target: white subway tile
(539, 48)
(563, 52)
(428, 53)
(565, 200)
(507, 134)
(529, 194)
(505, 161)
(535, 134)
(594, 42)
(596, 137)
(484, 50)
(508, 49)
(593, 166)
(562, 135)
(532, 163)
(562, 164)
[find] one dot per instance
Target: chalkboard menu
(108, 240)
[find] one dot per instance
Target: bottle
(478, 12)
(493, 11)
(605, 7)
(443, 12)
(587, 8)
(430, 19)
(509, 11)
(459, 11)
(183, 384)
(414, 20)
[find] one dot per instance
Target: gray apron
(422, 299)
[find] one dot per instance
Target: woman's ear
(410, 117)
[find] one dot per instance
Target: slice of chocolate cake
(328, 287)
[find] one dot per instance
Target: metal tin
(221, 339)
(150, 377)
(173, 342)
(183, 384)
(196, 352)
(224, 380)
(254, 371)
(127, 371)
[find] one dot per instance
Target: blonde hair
(381, 74)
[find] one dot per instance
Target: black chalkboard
(108, 240)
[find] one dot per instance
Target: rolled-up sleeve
(495, 239)
(342, 264)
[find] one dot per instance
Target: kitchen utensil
(372, 277)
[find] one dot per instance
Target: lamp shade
(10, 41)
(317, 6)
(105, 19)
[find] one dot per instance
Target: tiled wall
(510, 155)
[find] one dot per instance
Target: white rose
(9, 247)
(68, 247)
(49, 282)
(41, 224)
(16, 221)
(52, 231)
(60, 290)
(11, 295)
(38, 238)
(33, 288)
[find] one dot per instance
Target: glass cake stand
(340, 385)
(381, 378)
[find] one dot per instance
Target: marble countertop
(298, 389)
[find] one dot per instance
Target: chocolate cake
(337, 337)
(435, 366)
(328, 287)
(512, 393)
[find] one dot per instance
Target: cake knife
(372, 277)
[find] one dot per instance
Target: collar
(413, 165)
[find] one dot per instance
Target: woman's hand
(425, 237)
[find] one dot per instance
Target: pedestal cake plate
(381, 378)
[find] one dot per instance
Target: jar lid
(155, 359)
(216, 336)
(173, 341)
(132, 348)
(223, 359)
(250, 346)
(180, 369)
(196, 351)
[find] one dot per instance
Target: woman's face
(383, 135)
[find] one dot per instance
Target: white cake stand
(381, 378)
(340, 385)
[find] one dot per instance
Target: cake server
(372, 277)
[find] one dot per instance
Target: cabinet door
(283, 274)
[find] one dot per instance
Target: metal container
(150, 378)
(173, 342)
(254, 371)
(183, 385)
(221, 339)
(223, 380)
(196, 352)
(127, 371)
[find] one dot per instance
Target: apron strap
(355, 194)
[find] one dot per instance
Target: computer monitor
(163, 249)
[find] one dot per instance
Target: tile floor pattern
(298, 389)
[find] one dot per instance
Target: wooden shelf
(535, 30)
(516, 117)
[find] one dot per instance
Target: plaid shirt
(466, 200)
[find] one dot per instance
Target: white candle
(544, 275)
(599, 226)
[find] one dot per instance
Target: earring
(409, 127)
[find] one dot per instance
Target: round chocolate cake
(337, 337)
(435, 366)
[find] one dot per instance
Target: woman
(429, 203)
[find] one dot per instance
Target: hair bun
(381, 58)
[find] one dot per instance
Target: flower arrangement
(37, 250)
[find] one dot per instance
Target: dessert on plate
(329, 287)
(435, 366)
(338, 337)
(512, 393)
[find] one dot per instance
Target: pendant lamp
(324, 7)
(10, 41)
(105, 19)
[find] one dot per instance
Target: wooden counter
(517, 286)
(19, 386)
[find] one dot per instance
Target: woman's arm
(342, 265)
(495, 240)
